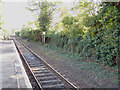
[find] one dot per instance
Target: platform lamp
(44, 36)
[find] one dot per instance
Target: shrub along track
(42, 75)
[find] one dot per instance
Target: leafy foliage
(103, 33)
(46, 9)
(92, 33)
(17, 33)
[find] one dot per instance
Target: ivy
(91, 35)
(104, 33)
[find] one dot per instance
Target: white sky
(15, 14)
(30, 0)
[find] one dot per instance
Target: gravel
(82, 78)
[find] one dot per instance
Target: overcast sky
(15, 14)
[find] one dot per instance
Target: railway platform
(12, 73)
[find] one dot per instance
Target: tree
(45, 16)
(45, 10)
(85, 9)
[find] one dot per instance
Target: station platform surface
(12, 73)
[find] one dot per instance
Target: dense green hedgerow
(100, 40)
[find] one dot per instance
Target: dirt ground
(82, 74)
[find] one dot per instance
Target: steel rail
(65, 81)
(23, 58)
(56, 72)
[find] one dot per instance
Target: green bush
(17, 33)
(103, 33)
(99, 41)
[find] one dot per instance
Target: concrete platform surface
(12, 73)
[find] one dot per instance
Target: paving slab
(12, 73)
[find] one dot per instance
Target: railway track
(40, 73)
